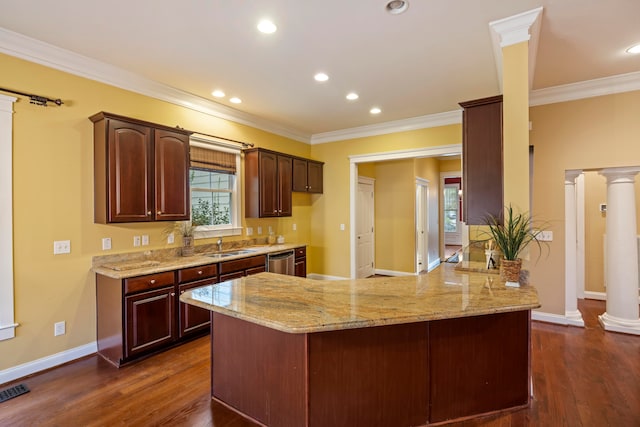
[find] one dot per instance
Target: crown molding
(587, 89)
(414, 123)
(20, 46)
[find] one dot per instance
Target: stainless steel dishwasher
(281, 262)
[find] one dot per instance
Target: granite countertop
(125, 266)
(299, 305)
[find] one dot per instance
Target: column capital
(571, 175)
(620, 175)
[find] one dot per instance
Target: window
(451, 203)
(215, 198)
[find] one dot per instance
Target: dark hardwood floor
(581, 377)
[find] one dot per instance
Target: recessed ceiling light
(235, 100)
(352, 96)
(321, 77)
(375, 110)
(634, 49)
(218, 93)
(396, 7)
(267, 27)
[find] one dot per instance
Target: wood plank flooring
(581, 377)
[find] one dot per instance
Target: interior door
(451, 206)
(422, 226)
(365, 230)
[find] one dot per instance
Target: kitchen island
(390, 351)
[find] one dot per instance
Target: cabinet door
(482, 159)
(172, 196)
(149, 320)
(314, 177)
(130, 196)
(284, 186)
(268, 177)
(299, 175)
(194, 319)
(231, 276)
(301, 267)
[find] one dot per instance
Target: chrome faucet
(219, 244)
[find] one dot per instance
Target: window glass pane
(211, 197)
(450, 209)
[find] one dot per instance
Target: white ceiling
(422, 62)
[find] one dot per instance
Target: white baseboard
(434, 264)
(47, 362)
(558, 319)
(595, 295)
(392, 273)
(325, 277)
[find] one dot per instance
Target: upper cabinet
(482, 159)
(267, 182)
(307, 175)
(141, 171)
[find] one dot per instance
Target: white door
(451, 206)
(364, 228)
(422, 225)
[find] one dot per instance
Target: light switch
(106, 243)
(61, 247)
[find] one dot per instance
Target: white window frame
(209, 231)
(7, 320)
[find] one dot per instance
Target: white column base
(616, 324)
(574, 318)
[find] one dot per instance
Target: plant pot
(510, 271)
(187, 245)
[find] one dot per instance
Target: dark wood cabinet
(307, 175)
(141, 171)
(194, 320)
(268, 184)
(150, 321)
(235, 269)
(482, 189)
(300, 262)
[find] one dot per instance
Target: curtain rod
(244, 144)
(35, 99)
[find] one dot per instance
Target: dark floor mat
(12, 392)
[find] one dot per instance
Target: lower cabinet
(242, 267)
(141, 315)
(150, 321)
(300, 262)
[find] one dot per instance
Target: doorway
(451, 211)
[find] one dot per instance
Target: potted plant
(512, 232)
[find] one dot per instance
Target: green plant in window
(201, 213)
(221, 214)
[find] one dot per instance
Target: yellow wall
(331, 255)
(586, 134)
(394, 215)
(53, 200)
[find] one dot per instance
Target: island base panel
(369, 377)
(258, 371)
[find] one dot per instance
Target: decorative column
(622, 252)
(571, 312)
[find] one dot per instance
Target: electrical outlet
(341, 227)
(145, 239)
(61, 247)
(249, 231)
(171, 238)
(259, 230)
(545, 236)
(136, 240)
(295, 227)
(270, 230)
(106, 243)
(59, 328)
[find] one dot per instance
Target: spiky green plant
(512, 232)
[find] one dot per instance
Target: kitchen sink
(231, 253)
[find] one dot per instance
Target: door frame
(442, 150)
(422, 214)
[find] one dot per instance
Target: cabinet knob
(159, 212)
(181, 292)
(199, 271)
(149, 213)
(173, 294)
(308, 187)
(152, 281)
(275, 211)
